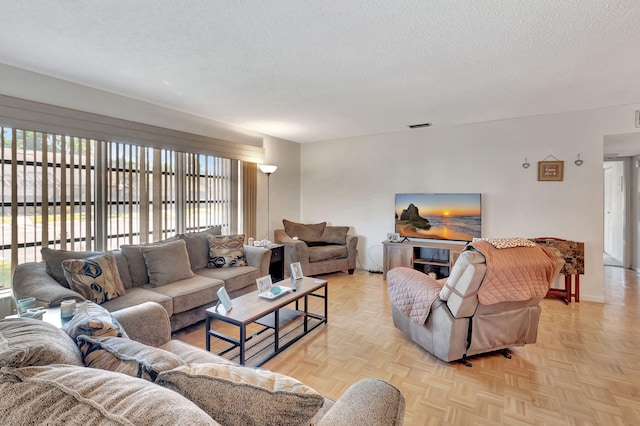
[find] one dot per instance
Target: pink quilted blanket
(516, 273)
(412, 292)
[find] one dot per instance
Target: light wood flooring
(584, 369)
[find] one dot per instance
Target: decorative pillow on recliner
(226, 251)
(167, 263)
(93, 320)
(309, 233)
(95, 278)
(126, 356)
(335, 235)
(265, 397)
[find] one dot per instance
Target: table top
(250, 307)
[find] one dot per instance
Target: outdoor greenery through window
(72, 193)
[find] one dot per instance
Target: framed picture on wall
(550, 170)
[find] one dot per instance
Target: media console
(425, 256)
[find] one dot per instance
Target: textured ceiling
(317, 70)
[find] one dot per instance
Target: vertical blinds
(76, 193)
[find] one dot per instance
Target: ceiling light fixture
(417, 126)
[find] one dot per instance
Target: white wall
(353, 181)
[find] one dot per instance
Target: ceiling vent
(418, 126)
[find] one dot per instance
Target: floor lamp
(268, 169)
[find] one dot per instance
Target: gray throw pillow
(198, 246)
(335, 235)
(135, 259)
(167, 263)
(73, 395)
(26, 341)
(309, 233)
(265, 397)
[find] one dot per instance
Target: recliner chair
(458, 325)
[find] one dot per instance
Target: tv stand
(425, 256)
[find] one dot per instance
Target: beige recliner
(458, 324)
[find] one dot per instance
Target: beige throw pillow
(53, 261)
(95, 278)
(167, 263)
(126, 356)
(243, 396)
(226, 251)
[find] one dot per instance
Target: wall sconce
(268, 169)
(578, 162)
(526, 164)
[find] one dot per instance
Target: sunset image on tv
(453, 217)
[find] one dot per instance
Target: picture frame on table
(224, 299)
(393, 237)
(264, 283)
(296, 271)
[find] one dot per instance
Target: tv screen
(453, 217)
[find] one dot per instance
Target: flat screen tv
(452, 217)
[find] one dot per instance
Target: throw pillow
(27, 341)
(95, 278)
(135, 259)
(266, 398)
(53, 261)
(167, 263)
(226, 251)
(309, 233)
(72, 395)
(126, 356)
(198, 246)
(335, 235)
(92, 319)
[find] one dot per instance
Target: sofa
(489, 302)
(139, 376)
(179, 273)
(320, 248)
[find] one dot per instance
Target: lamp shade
(268, 168)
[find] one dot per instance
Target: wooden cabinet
(436, 257)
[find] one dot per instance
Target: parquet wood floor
(584, 369)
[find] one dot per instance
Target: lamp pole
(268, 169)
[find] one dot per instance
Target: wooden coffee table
(281, 321)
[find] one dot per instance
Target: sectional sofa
(178, 273)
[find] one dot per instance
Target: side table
(276, 267)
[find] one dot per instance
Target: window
(75, 193)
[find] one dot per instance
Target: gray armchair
(319, 248)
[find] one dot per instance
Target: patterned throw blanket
(412, 292)
(516, 273)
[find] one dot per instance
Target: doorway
(615, 213)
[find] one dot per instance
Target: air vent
(637, 119)
(417, 126)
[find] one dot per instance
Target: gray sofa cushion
(138, 295)
(53, 261)
(329, 252)
(198, 246)
(81, 396)
(25, 341)
(234, 278)
(189, 293)
(167, 263)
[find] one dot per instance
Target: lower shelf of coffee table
(260, 345)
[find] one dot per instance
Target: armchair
(489, 302)
(319, 248)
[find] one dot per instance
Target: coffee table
(281, 321)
